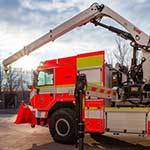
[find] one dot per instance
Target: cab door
(45, 89)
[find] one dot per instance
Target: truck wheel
(62, 126)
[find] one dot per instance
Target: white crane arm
(139, 36)
(94, 12)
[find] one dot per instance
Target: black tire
(62, 126)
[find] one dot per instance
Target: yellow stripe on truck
(55, 86)
(127, 109)
(90, 61)
(93, 108)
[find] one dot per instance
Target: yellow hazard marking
(98, 83)
(83, 103)
(127, 108)
(102, 90)
(93, 108)
(97, 90)
(90, 61)
(56, 86)
(105, 91)
(45, 86)
(89, 88)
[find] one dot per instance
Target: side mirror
(35, 78)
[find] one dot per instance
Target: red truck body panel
(65, 70)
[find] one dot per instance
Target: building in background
(14, 87)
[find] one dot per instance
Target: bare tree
(122, 53)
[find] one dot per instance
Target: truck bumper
(25, 115)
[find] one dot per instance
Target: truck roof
(71, 60)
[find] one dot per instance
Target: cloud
(46, 6)
(27, 20)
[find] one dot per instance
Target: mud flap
(25, 115)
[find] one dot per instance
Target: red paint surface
(148, 128)
(103, 70)
(41, 101)
(49, 101)
(95, 103)
(65, 70)
(102, 90)
(65, 75)
(108, 92)
(93, 89)
(25, 115)
(95, 125)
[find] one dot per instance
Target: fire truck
(115, 100)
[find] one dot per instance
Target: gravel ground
(17, 137)
(23, 137)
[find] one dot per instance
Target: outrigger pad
(25, 115)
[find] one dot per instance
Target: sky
(23, 21)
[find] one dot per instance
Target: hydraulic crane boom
(93, 13)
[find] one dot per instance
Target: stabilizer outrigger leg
(81, 84)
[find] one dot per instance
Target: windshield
(45, 77)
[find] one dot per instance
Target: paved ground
(23, 137)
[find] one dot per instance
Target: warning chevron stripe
(102, 90)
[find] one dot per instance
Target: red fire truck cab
(52, 100)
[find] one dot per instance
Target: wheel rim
(62, 127)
